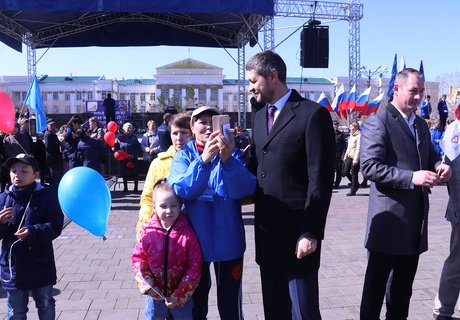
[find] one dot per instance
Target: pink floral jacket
(175, 252)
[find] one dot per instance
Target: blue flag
(421, 70)
(394, 71)
(35, 102)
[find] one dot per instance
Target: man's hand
(444, 172)
(425, 178)
(305, 246)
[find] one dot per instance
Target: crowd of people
(190, 214)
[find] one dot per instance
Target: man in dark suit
(399, 159)
(109, 109)
(295, 163)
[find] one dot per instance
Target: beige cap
(202, 109)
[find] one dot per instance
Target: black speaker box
(314, 47)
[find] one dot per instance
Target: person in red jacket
(167, 259)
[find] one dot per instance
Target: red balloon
(121, 155)
(109, 138)
(130, 165)
(112, 126)
(8, 113)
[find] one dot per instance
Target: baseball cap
(202, 109)
(50, 121)
(24, 158)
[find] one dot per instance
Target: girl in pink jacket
(167, 258)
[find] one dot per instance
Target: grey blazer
(398, 211)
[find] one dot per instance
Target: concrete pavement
(95, 278)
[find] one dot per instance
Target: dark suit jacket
(453, 186)
(295, 171)
(398, 213)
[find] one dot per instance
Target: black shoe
(349, 184)
(364, 185)
(352, 193)
(336, 186)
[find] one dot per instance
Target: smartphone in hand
(221, 123)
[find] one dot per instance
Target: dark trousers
(288, 296)
(379, 267)
(229, 299)
(338, 171)
(351, 172)
(110, 117)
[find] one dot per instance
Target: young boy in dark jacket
(30, 218)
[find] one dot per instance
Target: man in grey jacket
(399, 160)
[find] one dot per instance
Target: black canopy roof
(80, 23)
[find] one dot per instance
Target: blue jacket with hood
(212, 193)
(32, 259)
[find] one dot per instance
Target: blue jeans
(157, 310)
(17, 301)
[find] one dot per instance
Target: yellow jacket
(159, 169)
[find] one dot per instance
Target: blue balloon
(85, 198)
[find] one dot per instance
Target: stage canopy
(110, 23)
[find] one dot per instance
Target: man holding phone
(293, 154)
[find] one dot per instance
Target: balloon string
(19, 143)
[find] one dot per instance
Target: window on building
(226, 96)
(178, 94)
(104, 94)
(214, 95)
(78, 97)
(152, 97)
(202, 94)
(17, 95)
(67, 96)
(79, 108)
(90, 95)
(23, 95)
(55, 96)
(142, 96)
(67, 109)
(132, 96)
(44, 96)
(123, 96)
(56, 109)
(165, 93)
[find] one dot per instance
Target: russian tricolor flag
(373, 105)
(339, 99)
(322, 100)
(351, 99)
(363, 100)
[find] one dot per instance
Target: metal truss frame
(351, 12)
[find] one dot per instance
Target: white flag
(450, 143)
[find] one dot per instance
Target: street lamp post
(370, 73)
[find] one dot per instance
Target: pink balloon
(112, 126)
(8, 113)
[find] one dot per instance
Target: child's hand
(170, 303)
(6, 215)
(22, 233)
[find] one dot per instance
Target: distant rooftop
(130, 82)
(309, 80)
(66, 79)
